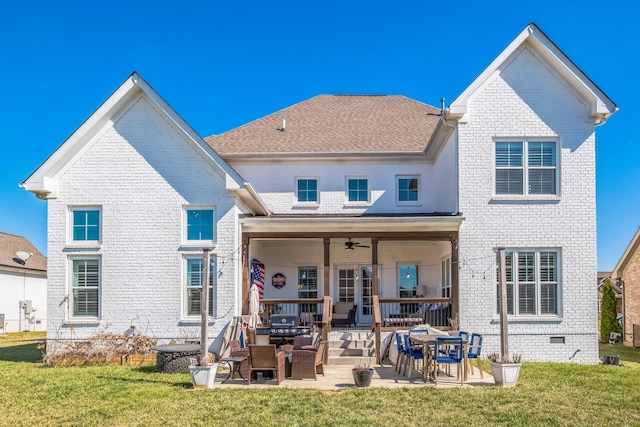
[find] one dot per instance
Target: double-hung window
(199, 224)
(308, 287)
(85, 287)
(194, 268)
(307, 190)
(445, 267)
(358, 190)
(526, 168)
(407, 188)
(85, 226)
(532, 283)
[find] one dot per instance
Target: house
(627, 274)
(23, 285)
(384, 202)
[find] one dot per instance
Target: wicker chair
(308, 363)
(265, 358)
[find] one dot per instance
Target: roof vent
(442, 106)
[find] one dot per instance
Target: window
(308, 287)
(407, 287)
(526, 168)
(532, 283)
(194, 270)
(446, 278)
(357, 190)
(307, 190)
(85, 287)
(200, 224)
(86, 224)
(407, 189)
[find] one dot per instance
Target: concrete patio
(339, 377)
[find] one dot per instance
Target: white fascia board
(351, 224)
(43, 180)
(601, 105)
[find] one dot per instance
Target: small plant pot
(505, 374)
(362, 377)
(203, 376)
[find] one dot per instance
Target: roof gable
(43, 181)
(627, 256)
(335, 124)
(601, 106)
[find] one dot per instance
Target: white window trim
(525, 162)
(447, 263)
(347, 202)
(408, 202)
(192, 319)
(198, 243)
(297, 202)
(88, 244)
(534, 317)
(70, 317)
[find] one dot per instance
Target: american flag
(257, 276)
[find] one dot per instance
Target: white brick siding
(527, 100)
(141, 171)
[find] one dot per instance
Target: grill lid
(282, 320)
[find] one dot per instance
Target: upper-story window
(358, 190)
(200, 224)
(526, 168)
(532, 283)
(307, 190)
(407, 188)
(85, 224)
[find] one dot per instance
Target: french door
(355, 285)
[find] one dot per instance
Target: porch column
(455, 288)
(327, 270)
(245, 276)
(374, 266)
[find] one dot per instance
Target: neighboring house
(627, 274)
(23, 285)
(428, 194)
(617, 289)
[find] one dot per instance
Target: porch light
(408, 274)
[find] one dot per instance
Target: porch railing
(408, 312)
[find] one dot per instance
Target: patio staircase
(351, 347)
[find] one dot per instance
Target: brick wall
(631, 278)
(525, 99)
(141, 172)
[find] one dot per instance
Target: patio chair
(237, 351)
(308, 363)
(265, 358)
(448, 350)
(413, 354)
(303, 342)
(475, 347)
(402, 355)
(344, 313)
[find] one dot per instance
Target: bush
(608, 312)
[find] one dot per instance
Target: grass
(548, 394)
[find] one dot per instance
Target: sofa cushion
(342, 307)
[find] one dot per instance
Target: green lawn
(548, 394)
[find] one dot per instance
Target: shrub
(608, 312)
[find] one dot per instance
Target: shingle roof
(10, 244)
(336, 124)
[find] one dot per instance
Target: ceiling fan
(351, 245)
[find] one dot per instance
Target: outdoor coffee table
(234, 362)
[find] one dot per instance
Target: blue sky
(223, 64)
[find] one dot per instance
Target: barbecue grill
(281, 330)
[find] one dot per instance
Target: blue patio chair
(448, 350)
(475, 347)
(413, 354)
(402, 354)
